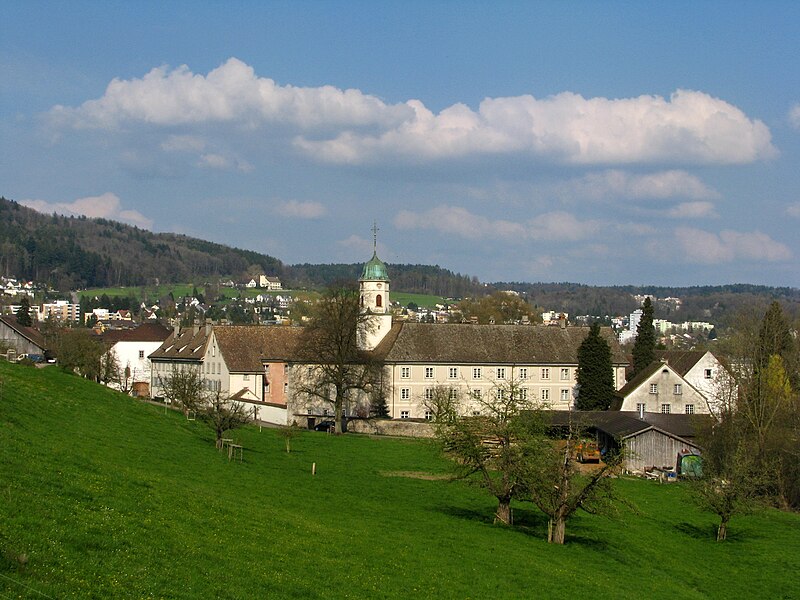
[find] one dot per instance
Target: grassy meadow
(103, 496)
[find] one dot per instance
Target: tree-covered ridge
(74, 252)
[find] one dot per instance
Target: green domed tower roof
(374, 270)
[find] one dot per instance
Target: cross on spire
(375, 231)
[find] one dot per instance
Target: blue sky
(602, 143)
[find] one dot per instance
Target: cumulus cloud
(614, 183)
(794, 116)
(458, 221)
(690, 127)
(793, 210)
(353, 127)
(301, 210)
(705, 247)
(230, 93)
(106, 206)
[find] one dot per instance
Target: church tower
(374, 298)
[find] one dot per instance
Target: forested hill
(73, 252)
(419, 279)
(76, 252)
(697, 302)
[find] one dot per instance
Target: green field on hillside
(103, 496)
(421, 300)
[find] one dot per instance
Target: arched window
(378, 301)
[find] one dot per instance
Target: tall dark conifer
(24, 312)
(644, 348)
(595, 372)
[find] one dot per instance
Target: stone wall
(402, 428)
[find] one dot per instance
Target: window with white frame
(428, 415)
(452, 372)
(266, 387)
(141, 354)
(476, 413)
(405, 393)
(500, 393)
(545, 373)
(523, 394)
(501, 373)
(428, 372)
(285, 388)
(404, 414)
(665, 409)
(405, 372)
(565, 374)
(707, 373)
(428, 393)
(476, 372)
(523, 373)
(689, 408)
(640, 407)
(677, 389)
(477, 394)
(564, 395)
(246, 377)
(545, 394)
(453, 393)
(653, 388)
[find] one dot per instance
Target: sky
(607, 143)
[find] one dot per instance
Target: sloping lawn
(102, 496)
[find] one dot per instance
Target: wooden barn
(652, 441)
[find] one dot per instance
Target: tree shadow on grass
(709, 532)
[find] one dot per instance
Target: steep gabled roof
(681, 360)
(29, 333)
(246, 347)
(488, 344)
(189, 344)
(644, 375)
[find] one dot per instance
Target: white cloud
(301, 210)
(230, 93)
(106, 206)
(793, 210)
(614, 183)
(458, 221)
(352, 127)
(690, 127)
(794, 116)
(692, 210)
(705, 247)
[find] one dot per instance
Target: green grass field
(421, 300)
(102, 496)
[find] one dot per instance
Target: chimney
(176, 329)
(641, 412)
(208, 326)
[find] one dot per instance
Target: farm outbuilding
(654, 440)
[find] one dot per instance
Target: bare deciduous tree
(337, 368)
(220, 412)
(495, 444)
(184, 387)
(559, 489)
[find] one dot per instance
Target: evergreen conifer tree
(644, 348)
(595, 372)
(24, 313)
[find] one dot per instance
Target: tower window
(378, 301)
